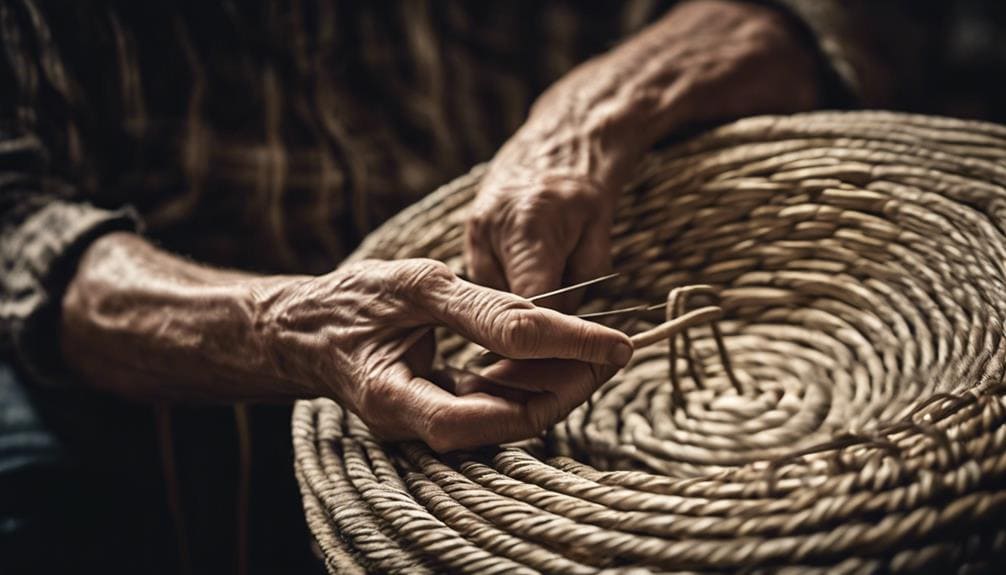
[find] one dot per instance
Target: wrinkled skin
(144, 323)
(543, 215)
(379, 352)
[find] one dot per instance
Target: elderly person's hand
(543, 215)
(363, 333)
(142, 322)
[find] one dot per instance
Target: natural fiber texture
(860, 260)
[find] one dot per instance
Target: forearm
(704, 61)
(143, 323)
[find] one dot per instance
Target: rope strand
(855, 422)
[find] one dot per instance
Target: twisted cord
(829, 397)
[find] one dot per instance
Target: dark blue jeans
(82, 488)
(79, 484)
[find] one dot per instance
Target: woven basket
(860, 261)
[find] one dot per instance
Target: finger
(533, 266)
(511, 326)
(461, 381)
(474, 384)
(419, 357)
(480, 259)
(548, 374)
(557, 386)
(412, 407)
(592, 256)
(590, 259)
(536, 241)
(453, 423)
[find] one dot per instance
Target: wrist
(705, 61)
(589, 105)
(715, 61)
(555, 146)
(271, 301)
(147, 324)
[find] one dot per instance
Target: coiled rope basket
(860, 263)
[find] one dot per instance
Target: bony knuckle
(518, 333)
(421, 276)
(364, 272)
(570, 190)
(526, 220)
(541, 198)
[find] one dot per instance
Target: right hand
(363, 334)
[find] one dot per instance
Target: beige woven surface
(860, 260)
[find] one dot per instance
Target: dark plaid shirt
(271, 135)
(258, 134)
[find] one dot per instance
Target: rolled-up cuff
(39, 259)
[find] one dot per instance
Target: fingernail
(620, 355)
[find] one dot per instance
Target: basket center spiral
(844, 410)
(848, 291)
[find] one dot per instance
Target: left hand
(543, 215)
(531, 231)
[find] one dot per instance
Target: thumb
(513, 327)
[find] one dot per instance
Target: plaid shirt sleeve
(45, 222)
(43, 231)
(73, 92)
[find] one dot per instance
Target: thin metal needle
(485, 354)
(573, 287)
(633, 309)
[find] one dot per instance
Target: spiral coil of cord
(860, 262)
